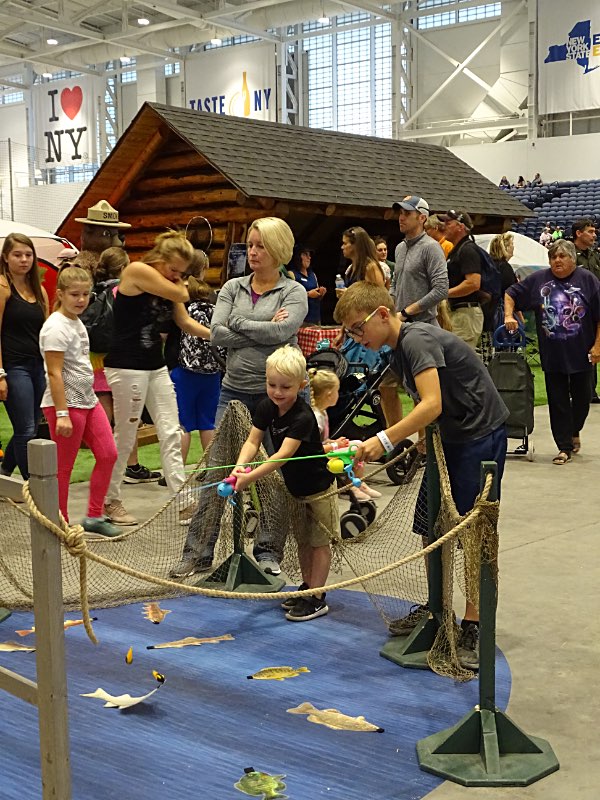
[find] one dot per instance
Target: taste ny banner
(568, 55)
(240, 81)
(65, 114)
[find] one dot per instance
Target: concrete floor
(548, 623)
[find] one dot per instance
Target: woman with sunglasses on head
(150, 293)
(23, 310)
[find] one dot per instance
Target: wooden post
(49, 622)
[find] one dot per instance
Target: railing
(49, 694)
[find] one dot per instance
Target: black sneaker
(407, 624)
(307, 608)
(162, 481)
(288, 604)
(140, 474)
(468, 647)
(191, 565)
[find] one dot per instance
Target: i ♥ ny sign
(64, 142)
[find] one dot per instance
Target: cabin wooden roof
(268, 159)
(296, 165)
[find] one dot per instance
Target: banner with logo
(239, 81)
(65, 115)
(568, 55)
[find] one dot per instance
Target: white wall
(46, 206)
(562, 158)
(13, 122)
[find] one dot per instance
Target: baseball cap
(459, 216)
(413, 203)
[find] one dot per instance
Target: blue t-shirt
(567, 313)
(314, 304)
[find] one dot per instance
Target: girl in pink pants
(69, 403)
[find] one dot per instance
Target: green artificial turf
(149, 455)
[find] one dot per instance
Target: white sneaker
(372, 493)
(116, 512)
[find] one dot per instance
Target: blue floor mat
(195, 736)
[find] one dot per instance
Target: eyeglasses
(358, 331)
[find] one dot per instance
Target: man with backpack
(465, 268)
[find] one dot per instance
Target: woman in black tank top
(23, 310)
(149, 294)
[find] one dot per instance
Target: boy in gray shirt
(451, 386)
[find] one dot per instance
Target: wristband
(333, 445)
(406, 315)
(2, 373)
(61, 414)
(385, 441)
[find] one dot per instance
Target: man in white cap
(420, 277)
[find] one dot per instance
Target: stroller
(358, 415)
(512, 377)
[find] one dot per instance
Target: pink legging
(91, 426)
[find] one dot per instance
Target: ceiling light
(125, 60)
(216, 41)
(52, 41)
(46, 74)
(143, 21)
(323, 20)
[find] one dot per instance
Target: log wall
(177, 184)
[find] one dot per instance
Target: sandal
(561, 458)
(576, 444)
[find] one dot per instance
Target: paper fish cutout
(155, 613)
(277, 673)
(125, 700)
(68, 623)
(121, 700)
(15, 647)
(191, 640)
(334, 719)
(261, 784)
(129, 656)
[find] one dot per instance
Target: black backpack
(490, 291)
(98, 317)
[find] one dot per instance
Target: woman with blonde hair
(150, 293)
(23, 309)
(257, 313)
(502, 248)
(254, 315)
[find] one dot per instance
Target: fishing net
(270, 517)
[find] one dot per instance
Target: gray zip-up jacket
(421, 275)
(247, 332)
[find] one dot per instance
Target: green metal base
(411, 651)
(486, 749)
(4, 614)
(242, 575)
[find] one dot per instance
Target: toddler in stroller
(357, 414)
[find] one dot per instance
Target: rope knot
(74, 540)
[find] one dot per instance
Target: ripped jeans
(131, 390)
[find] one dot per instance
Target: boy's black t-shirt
(301, 477)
